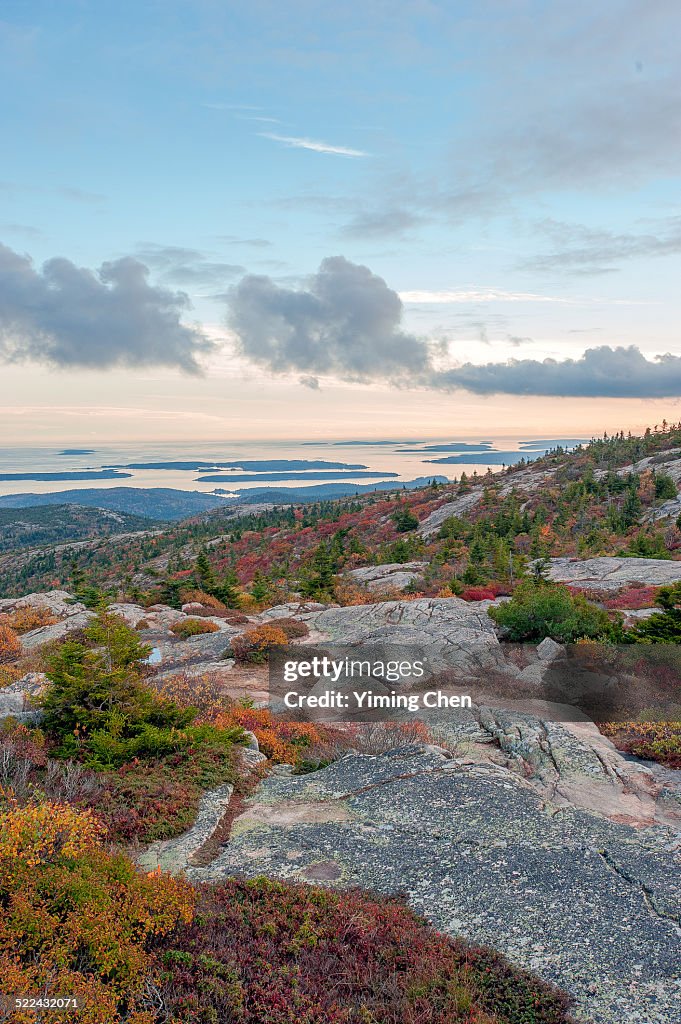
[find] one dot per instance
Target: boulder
(130, 613)
(56, 602)
(607, 573)
(548, 650)
(391, 576)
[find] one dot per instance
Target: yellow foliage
(77, 920)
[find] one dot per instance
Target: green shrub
(665, 487)
(663, 627)
(193, 627)
(539, 609)
(96, 702)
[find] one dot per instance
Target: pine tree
(204, 572)
(260, 588)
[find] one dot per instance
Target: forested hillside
(616, 496)
(56, 524)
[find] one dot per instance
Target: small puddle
(155, 658)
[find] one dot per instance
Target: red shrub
(487, 593)
(632, 597)
(293, 628)
(265, 952)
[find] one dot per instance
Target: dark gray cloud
(602, 372)
(190, 268)
(69, 316)
(517, 340)
(578, 249)
(345, 322)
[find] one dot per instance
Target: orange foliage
(77, 920)
(283, 742)
(10, 645)
(201, 597)
(23, 620)
(193, 627)
(255, 645)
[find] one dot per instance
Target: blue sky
(510, 169)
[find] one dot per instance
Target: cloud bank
(72, 317)
(602, 372)
(345, 322)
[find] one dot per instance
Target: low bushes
(23, 620)
(293, 628)
(487, 593)
(255, 645)
(201, 597)
(654, 741)
(158, 798)
(10, 645)
(539, 609)
(150, 754)
(633, 597)
(265, 952)
(193, 627)
(140, 801)
(144, 948)
(296, 743)
(78, 920)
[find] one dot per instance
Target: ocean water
(275, 463)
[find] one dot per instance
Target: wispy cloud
(260, 118)
(578, 249)
(294, 142)
(490, 295)
(230, 106)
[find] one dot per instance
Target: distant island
(254, 465)
(322, 492)
(77, 451)
(76, 474)
(295, 475)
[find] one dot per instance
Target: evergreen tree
(204, 572)
(260, 588)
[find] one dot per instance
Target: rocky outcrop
(175, 855)
(16, 700)
(607, 573)
(460, 505)
(294, 609)
(391, 576)
(586, 901)
(56, 602)
(58, 631)
(445, 621)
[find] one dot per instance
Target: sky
(226, 221)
